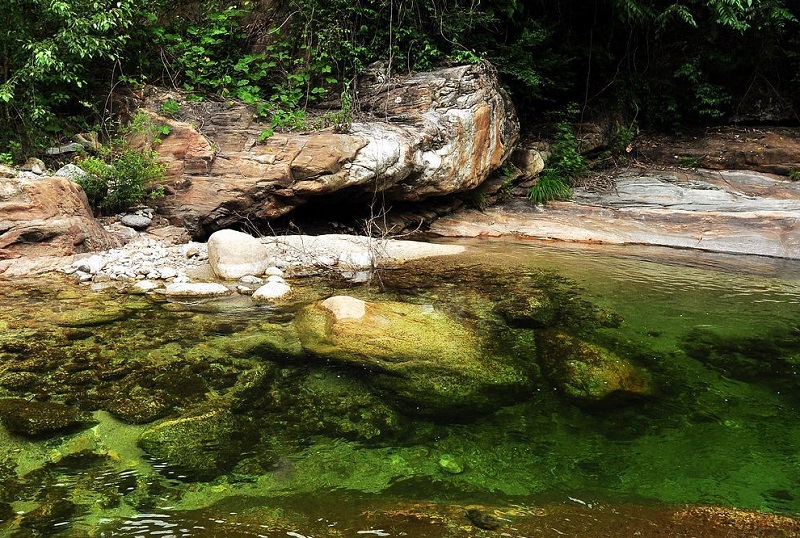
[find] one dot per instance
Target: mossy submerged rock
(426, 361)
(590, 374)
(40, 419)
(198, 447)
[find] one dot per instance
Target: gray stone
(72, 147)
(734, 212)
(143, 286)
(137, 222)
(271, 290)
(35, 165)
(167, 272)
(233, 254)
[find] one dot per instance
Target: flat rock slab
(722, 211)
(233, 254)
(357, 252)
(197, 289)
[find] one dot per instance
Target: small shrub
(564, 167)
(170, 107)
(125, 180)
(688, 162)
(549, 187)
(794, 174)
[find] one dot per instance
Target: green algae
(431, 363)
(721, 429)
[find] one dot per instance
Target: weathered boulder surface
(426, 361)
(432, 134)
(48, 217)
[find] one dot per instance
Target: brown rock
(47, 217)
(435, 133)
(773, 150)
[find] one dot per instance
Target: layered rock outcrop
(428, 134)
(47, 217)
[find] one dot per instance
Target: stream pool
(218, 418)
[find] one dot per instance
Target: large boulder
(433, 134)
(48, 217)
(422, 359)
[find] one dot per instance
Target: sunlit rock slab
(733, 212)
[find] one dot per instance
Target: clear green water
(719, 335)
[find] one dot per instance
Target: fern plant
(564, 167)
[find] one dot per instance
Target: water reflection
(720, 347)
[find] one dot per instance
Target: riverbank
(735, 212)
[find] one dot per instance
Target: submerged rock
(590, 374)
(198, 447)
(429, 362)
(39, 419)
(273, 289)
(49, 516)
(140, 405)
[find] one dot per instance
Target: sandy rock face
(47, 217)
(433, 134)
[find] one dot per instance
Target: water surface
(720, 336)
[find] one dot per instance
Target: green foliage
(686, 161)
(55, 53)
(564, 166)
(794, 174)
(170, 107)
(121, 179)
(548, 188)
(6, 158)
(662, 62)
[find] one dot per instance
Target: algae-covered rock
(38, 419)
(140, 405)
(49, 516)
(198, 447)
(590, 374)
(90, 316)
(425, 360)
(773, 357)
(450, 464)
(340, 406)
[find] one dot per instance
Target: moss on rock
(200, 446)
(590, 374)
(40, 419)
(425, 360)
